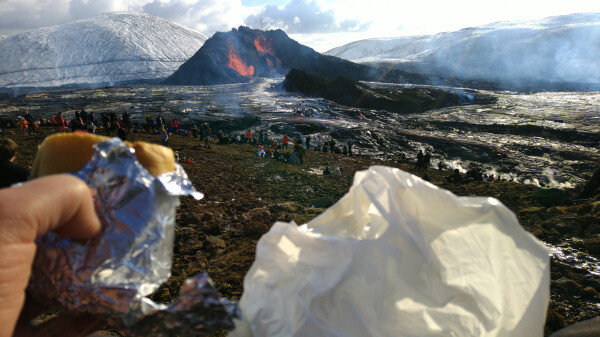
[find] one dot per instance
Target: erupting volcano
(237, 64)
(243, 53)
(236, 56)
(261, 45)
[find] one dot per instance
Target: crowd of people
(268, 146)
(271, 148)
(287, 149)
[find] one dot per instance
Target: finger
(60, 203)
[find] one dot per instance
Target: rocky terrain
(245, 195)
(348, 92)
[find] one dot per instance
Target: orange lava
(270, 65)
(236, 63)
(263, 46)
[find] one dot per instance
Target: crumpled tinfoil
(112, 273)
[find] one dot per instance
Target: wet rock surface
(245, 195)
(349, 92)
(549, 139)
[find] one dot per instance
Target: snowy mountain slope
(555, 49)
(106, 49)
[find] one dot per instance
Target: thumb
(60, 203)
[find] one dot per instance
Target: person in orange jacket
(23, 123)
(61, 122)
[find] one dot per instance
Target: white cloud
(318, 23)
(394, 18)
(79, 9)
(206, 16)
(302, 17)
(20, 15)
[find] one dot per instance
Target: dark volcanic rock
(346, 91)
(238, 55)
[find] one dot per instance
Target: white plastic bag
(397, 256)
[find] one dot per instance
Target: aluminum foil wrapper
(112, 273)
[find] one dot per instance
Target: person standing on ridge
(420, 157)
(92, 118)
(164, 137)
(126, 121)
(350, 143)
(105, 120)
(23, 123)
(299, 151)
(426, 159)
(175, 126)
(84, 116)
(29, 118)
(149, 124)
(60, 121)
(286, 140)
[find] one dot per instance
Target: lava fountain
(235, 62)
(263, 46)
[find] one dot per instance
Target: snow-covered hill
(555, 49)
(110, 48)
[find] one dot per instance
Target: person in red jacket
(249, 136)
(286, 140)
(60, 121)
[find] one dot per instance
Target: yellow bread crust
(69, 152)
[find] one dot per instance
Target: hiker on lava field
(350, 143)
(286, 140)
(32, 126)
(426, 159)
(127, 121)
(455, 178)
(420, 159)
(164, 137)
(60, 121)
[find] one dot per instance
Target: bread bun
(69, 152)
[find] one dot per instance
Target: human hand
(59, 203)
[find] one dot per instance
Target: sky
(320, 24)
